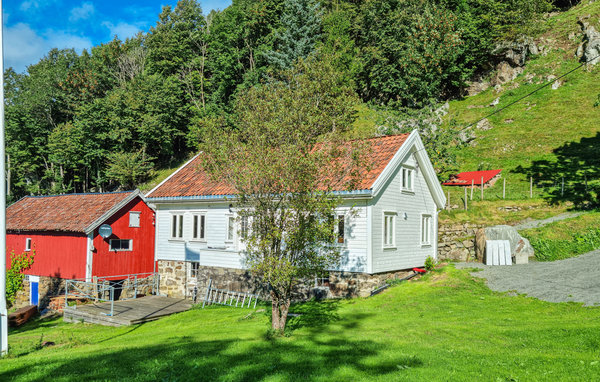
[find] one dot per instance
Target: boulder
(589, 51)
(506, 73)
(520, 247)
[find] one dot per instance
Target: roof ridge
(78, 194)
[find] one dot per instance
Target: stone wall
(457, 241)
(175, 281)
(48, 288)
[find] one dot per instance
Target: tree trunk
(279, 311)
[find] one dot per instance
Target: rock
(589, 50)
(466, 136)
(509, 120)
(556, 84)
(484, 125)
(506, 73)
(495, 102)
(520, 247)
(476, 86)
(475, 107)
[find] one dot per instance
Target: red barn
(63, 231)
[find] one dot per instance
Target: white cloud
(121, 29)
(31, 5)
(82, 12)
(23, 46)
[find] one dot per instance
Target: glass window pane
(174, 226)
(180, 227)
(202, 219)
(195, 228)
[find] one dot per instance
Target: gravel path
(575, 279)
(543, 222)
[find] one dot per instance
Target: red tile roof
(192, 180)
(465, 178)
(69, 212)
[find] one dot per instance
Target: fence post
(530, 187)
(504, 188)
(112, 301)
(562, 187)
(466, 207)
(482, 188)
(135, 286)
(66, 293)
(448, 200)
(472, 186)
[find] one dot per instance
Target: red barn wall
(141, 258)
(58, 254)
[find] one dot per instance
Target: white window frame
(426, 229)
(340, 234)
(388, 229)
(28, 244)
(193, 273)
(139, 215)
(230, 229)
(176, 226)
(110, 245)
(407, 181)
(244, 220)
(200, 228)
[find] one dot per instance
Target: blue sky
(33, 27)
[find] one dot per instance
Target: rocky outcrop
(521, 249)
(589, 50)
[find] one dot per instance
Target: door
(34, 296)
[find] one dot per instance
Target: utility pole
(3, 310)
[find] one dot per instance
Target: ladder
(229, 298)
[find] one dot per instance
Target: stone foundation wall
(48, 288)
(175, 281)
(457, 241)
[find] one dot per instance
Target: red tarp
(465, 178)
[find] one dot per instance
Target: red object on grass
(419, 270)
(471, 177)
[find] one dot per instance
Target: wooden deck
(128, 312)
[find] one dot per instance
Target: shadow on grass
(572, 175)
(186, 359)
(313, 314)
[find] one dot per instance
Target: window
(230, 228)
(389, 229)
(134, 219)
(199, 227)
(407, 179)
(194, 270)
(177, 226)
(426, 229)
(120, 245)
(341, 229)
(244, 227)
(28, 244)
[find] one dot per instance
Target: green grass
(566, 238)
(494, 212)
(445, 327)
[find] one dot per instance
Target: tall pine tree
(301, 30)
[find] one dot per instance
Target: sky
(33, 27)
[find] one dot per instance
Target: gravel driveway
(575, 279)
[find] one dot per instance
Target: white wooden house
(393, 227)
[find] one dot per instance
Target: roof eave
(113, 210)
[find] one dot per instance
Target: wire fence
(580, 190)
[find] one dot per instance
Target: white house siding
(216, 252)
(408, 251)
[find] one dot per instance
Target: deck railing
(111, 288)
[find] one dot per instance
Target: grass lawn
(447, 326)
(566, 238)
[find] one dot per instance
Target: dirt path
(575, 279)
(543, 222)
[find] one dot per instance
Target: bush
(14, 275)
(430, 263)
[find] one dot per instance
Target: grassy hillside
(530, 137)
(445, 327)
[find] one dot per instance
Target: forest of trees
(105, 119)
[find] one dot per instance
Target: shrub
(14, 275)
(429, 263)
